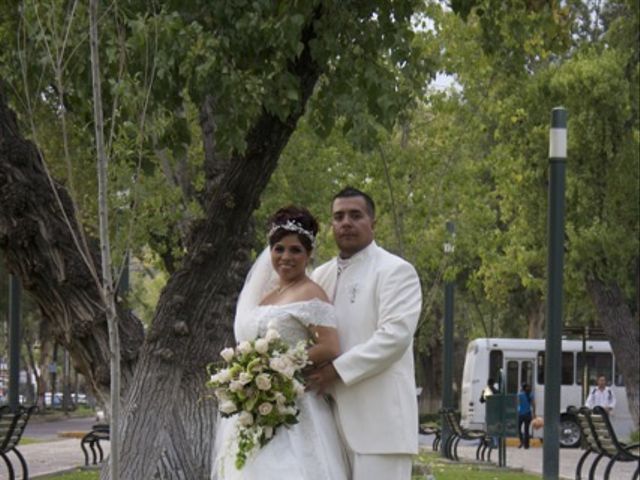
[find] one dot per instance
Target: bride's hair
(293, 219)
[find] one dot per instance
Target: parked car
(79, 398)
(57, 399)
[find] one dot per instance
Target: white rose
(262, 345)
(283, 365)
(278, 364)
(289, 369)
(227, 354)
(227, 407)
(286, 410)
(235, 386)
(244, 347)
(245, 418)
(263, 382)
(265, 408)
(223, 376)
(272, 334)
(279, 398)
(245, 378)
(221, 394)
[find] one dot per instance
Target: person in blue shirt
(526, 411)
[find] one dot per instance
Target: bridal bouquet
(259, 383)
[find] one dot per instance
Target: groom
(378, 299)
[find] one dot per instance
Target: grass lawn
(29, 441)
(51, 415)
(445, 470)
(431, 462)
(77, 475)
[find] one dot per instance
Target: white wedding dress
(308, 450)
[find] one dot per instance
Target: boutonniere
(353, 291)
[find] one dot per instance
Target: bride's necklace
(284, 288)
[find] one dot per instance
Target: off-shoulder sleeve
(317, 313)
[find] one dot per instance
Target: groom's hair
(349, 192)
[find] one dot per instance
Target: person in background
(601, 396)
(489, 390)
(526, 411)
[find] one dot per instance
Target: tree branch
(40, 247)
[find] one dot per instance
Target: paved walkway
(51, 457)
(531, 461)
(56, 446)
(65, 454)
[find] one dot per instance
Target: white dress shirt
(601, 398)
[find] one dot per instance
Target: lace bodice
(292, 320)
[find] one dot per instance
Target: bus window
(566, 375)
(495, 364)
(540, 368)
(512, 377)
(567, 368)
(526, 373)
(617, 376)
(598, 364)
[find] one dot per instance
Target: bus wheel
(569, 432)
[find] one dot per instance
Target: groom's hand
(322, 378)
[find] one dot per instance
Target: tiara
(292, 226)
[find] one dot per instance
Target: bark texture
(536, 320)
(194, 316)
(37, 230)
(622, 328)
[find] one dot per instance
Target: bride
(279, 294)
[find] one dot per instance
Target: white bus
(522, 361)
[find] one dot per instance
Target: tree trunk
(622, 328)
(535, 320)
(194, 316)
(429, 365)
(39, 240)
(45, 358)
(428, 373)
(108, 290)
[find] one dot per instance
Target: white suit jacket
(378, 301)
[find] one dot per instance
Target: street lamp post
(447, 352)
(555, 266)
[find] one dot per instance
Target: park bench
(600, 438)
(458, 432)
(12, 425)
(434, 430)
(99, 431)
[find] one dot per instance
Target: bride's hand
(312, 368)
(321, 378)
